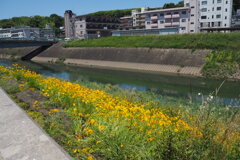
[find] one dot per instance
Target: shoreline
(128, 66)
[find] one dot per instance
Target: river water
(179, 87)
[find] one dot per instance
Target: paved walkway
(157, 68)
(21, 138)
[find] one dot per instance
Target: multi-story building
(88, 26)
(69, 19)
(168, 18)
(26, 32)
(195, 16)
(215, 14)
(236, 20)
(5, 33)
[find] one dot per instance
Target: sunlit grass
(91, 123)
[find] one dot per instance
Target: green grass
(225, 64)
(219, 127)
(215, 41)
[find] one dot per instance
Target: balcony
(175, 24)
(154, 17)
(168, 16)
(168, 24)
(175, 15)
(154, 25)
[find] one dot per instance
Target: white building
(26, 32)
(194, 17)
(168, 18)
(5, 33)
(215, 13)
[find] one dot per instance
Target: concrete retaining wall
(179, 57)
(185, 57)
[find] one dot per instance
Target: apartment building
(215, 14)
(69, 19)
(5, 33)
(20, 32)
(26, 32)
(88, 26)
(196, 16)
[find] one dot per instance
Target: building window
(191, 30)
(192, 7)
(183, 28)
(225, 17)
(192, 22)
(183, 20)
(204, 9)
(219, 8)
(212, 16)
(212, 8)
(80, 26)
(176, 13)
(192, 15)
(225, 9)
(212, 24)
(148, 22)
(161, 14)
(225, 25)
(219, 1)
(203, 17)
(226, 2)
(213, 1)
(219, 24)
(218, 16)
(184, 12)
(161, 22)
(204, 2)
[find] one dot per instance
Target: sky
(17, 8)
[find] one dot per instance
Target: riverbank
(78, 117)
(211, 41)
(138, 67)
(186, 62)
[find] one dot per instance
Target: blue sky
(16, 8)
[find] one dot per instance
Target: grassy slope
(215, 41)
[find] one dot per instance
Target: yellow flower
(91, 121)
(89, 131)
(84, 150)
(98, 142)
(121, 145)
(90, 157)
(101, 128)
(175, 130)
(54, 110)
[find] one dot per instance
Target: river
(179, 87)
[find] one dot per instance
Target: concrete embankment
(176, 61)
(21, 138)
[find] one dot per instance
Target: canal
(174, 86)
